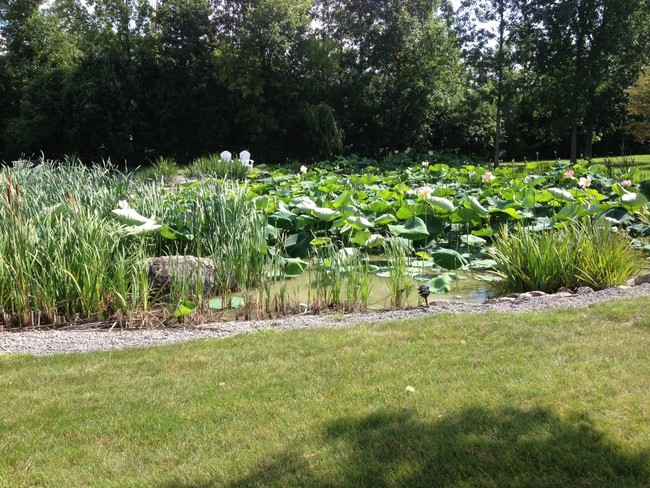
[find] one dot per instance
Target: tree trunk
(574, 140)
(589, 135)
(497, 130)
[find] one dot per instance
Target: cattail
(68, 195)
(9, 189)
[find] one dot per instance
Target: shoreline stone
(78, 341)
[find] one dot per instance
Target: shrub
(216, 167)
(576, 255)
(162, 170)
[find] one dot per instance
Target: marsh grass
(576, 255)
(214, 166)
(62, 258)
(398, 254)
(162, 170)
(544, 399)
(66, 258)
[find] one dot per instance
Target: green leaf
(361, 237)
(167, 233)
(325, 214)
(441, 284)
(448, 259)
(472, 240)
(475, 205)
(130, 216)
(343, 199)
(424, 255)
(561, 195)
(414, 229)
(237, 302)
(293, 266)
(508, 211)
(298, 245)
(144, 229)
(184, 309)
(359, 223)
(442, 204)
(405, 213)
(216, 303)
(384, 219)
(320, 241)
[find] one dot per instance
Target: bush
(577, 255)
(162, 170)
(216, 167)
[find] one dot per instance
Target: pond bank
(48, 342)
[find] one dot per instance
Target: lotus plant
(585, 182)
(488, 177)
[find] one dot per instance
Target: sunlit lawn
(553, 399)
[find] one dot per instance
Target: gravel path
(46, 342)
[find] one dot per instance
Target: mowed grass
(555, 398)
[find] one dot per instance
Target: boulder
(168, 271)
(537, 293)
(583, 290)
(642, 279)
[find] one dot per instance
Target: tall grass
(577, 255)
(65, 257)
(400, 283)
(214, 166)
(211, 219)
(61, 257)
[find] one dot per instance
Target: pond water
(301, 290)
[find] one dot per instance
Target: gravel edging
(46, 342)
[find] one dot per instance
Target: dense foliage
(78, 239)
(311, 79)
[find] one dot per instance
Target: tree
(583, 54)
(487, 29)
(639, 106)
(399, 78)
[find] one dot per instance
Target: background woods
(135, 80)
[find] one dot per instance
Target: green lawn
(558, 398)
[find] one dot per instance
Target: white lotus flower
(424, 192)
(303, 169)
(425, 164)
(584, 182)
(226, 156)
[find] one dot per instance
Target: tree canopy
(133, 80)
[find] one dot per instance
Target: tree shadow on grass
(478, 447)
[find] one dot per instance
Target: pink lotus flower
(488, 176)
(626, 183)
(569, 174)
(430, 153)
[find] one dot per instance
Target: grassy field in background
(556, 398)
(640, 161)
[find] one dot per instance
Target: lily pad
(414, 229)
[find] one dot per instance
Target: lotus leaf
(414, 229)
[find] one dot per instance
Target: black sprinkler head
(424, 292)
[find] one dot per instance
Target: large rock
(640, 280)
(168, 271)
